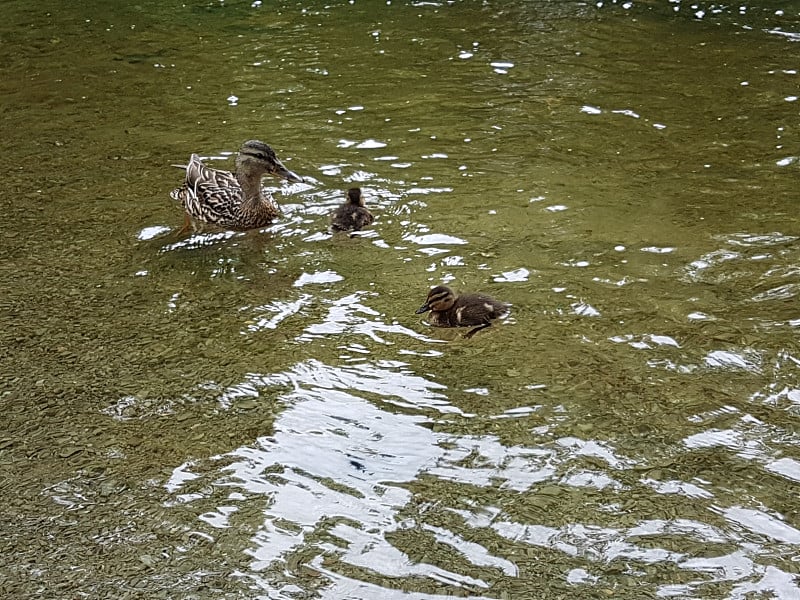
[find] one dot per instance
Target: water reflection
(347, 505)
(344, 486)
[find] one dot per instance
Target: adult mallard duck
(232, 200)
(465, 310)
(352, 215)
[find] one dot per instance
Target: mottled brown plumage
(232, 200)
(352, 215)
(465, 310)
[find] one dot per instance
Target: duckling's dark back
(352, 215)
(475, 309)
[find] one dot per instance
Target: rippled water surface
(262, 415)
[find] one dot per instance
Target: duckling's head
(256, 158)
(354, 197)
(439, 298)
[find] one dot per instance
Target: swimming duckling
(449, 310)
(232, 200)
(352, 215)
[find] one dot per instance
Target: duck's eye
(257, 155)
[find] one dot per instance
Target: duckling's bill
(424, 308)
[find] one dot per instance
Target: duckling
(352, 215)
(450, 310)
(232, 200)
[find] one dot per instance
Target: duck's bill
(290, 176)
(424, 308)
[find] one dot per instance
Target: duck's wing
(200, 178)
(344, 218)
(198, 174)
(209, 194)
(477, 309)
(351, 218)
(364, 217)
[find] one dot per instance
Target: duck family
(235, 200)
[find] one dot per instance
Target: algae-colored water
(263, 415)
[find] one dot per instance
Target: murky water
(263, 415)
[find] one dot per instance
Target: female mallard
(352, 215)
(232, 200)
(449, 310)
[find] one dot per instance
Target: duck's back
(211, 195)
(476, 309)
(349, 217)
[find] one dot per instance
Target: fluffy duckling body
(352, 215)
(232, 200)
(465, 310)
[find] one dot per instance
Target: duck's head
(439, 298)
(354, 196)
(257, 158)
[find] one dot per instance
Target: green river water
(262, 415)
